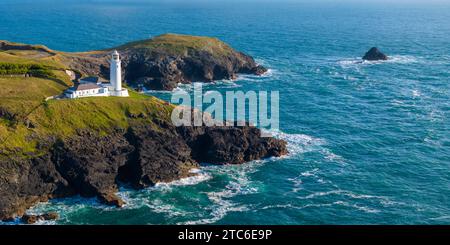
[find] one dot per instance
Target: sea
(369, 142)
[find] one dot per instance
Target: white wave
(269, 73)
(358, 207)
(199, 177)
(160, 206)
(133, 201)
(320, 205)
(222, 206)
(297, 184)
(350, 62)
(240, 184)
(224, 84)
(358, 61)
(330, 156)
(402, 59)
(189, 87)
(64, 207)
(301, 143)
(297, 143)
(442, 218)
(385, 201)
(400, 103)
(416, 93)
(309, 173)
(319, 194)
(287, 206)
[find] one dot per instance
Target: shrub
(35, 70)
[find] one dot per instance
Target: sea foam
(396, 59)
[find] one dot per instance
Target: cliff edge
(60, 148)
(160, 63)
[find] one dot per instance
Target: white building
(95, 86)
(86, 90)
(115, 76)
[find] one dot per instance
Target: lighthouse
(115, 71)
(94, 86)
(115, 76)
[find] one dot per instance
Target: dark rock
(157, 69)
(91, 165)
(24, 182)
(374, 54)
(259, 70)
(230, 145)
(30, 219)
(111, 199)
(161, 156)
(50, 216)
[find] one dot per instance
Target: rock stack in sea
(374, 54)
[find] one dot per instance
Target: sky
(278, 1)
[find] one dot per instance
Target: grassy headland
(177, 44)
(27, 119)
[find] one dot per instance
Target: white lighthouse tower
(115, 76)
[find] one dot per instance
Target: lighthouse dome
(115, 55)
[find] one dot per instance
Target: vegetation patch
(177, 44)
(35, 70)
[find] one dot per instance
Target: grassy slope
(181, 44)
(25, 98)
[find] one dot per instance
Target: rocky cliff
(374, 54)
(164, 61)
(61, 147)
(90, 165)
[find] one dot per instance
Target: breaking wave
(239, 183)
(397, 59)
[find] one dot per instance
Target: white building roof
(86, 86)
(92, 80)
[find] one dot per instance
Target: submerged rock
(374, 54)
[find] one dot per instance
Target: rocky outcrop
(374, 54)
(163, 62)
(5, 46)
(160, 71)
(92, 165)
(62, 162)
(31, 219)
(230, 145)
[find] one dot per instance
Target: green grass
(34, 70)
(27, 120)
(32, 57)
(62, 118)
(25, 99)
(182, 44)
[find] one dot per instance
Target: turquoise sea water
(369, 142)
